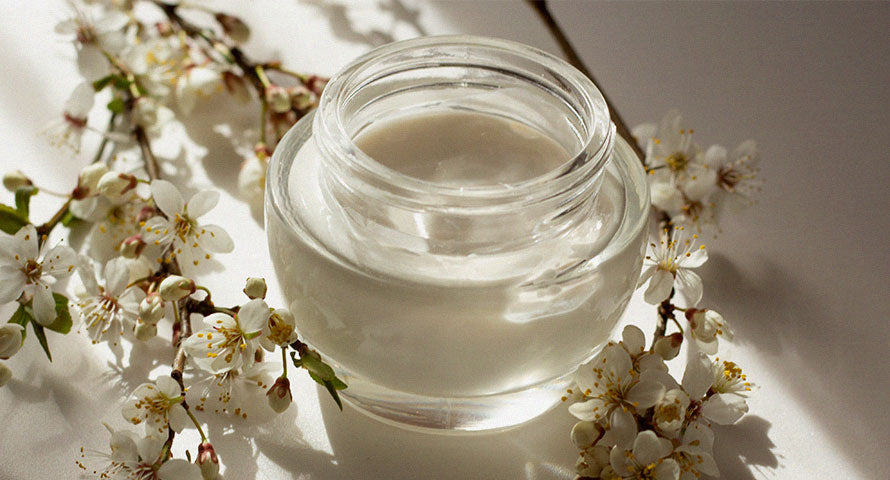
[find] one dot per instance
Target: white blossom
(670, 412)
(612, 390)
(592, 461)
(229, 342)
(136, 458)
(26, 269)
(109, 310)
(280, 330)
(720, 386)
(669, 265)
(237, 393)
(647, 460)
(705, 326)
(188, 239)
(10, 339)
(67, 130)
(159, 406)
(694, 455)
(95, 33)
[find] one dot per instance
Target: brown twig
(541, 8)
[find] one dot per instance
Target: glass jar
(456, 307)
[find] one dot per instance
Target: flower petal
(201, 203)
(12, 284)
(645, 394)
(177, 418)
(215, 239)
(44, 304)
(591, 410)
(179, 469)
(698, 377)
(634, 340)
(660, 286)
(253, 316)
(167, 197)
(668, 469)
(117, 276)
(622, 427)
(695, 259)
(690, 285)
(168, 387)
(648, 448)
(724, 408)
(26, 240)
(59, 261)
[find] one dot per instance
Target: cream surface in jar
(454, 260)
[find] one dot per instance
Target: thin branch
(541, 8)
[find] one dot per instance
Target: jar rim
(581, 167)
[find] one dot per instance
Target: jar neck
(465, 73)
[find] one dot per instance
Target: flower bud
(669, 347)
(88, 181)
(113, 185)
(5, 374)
(301, 97)
(207, 461)
(151, 308)
(584, 433)
(316, 84)
(280, 330)
(279, 396)
(10, 339)
(146, 213)
(14, 180)
(132, 246)
(175, 288)
(278, 98)
(145, 331)
(256, 288)
(234, 27)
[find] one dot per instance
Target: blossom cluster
(636, 420)
(146, 67)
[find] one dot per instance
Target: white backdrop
(802, 277)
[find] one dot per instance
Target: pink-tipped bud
(279, 395)
(146, 213)
(255, 288)
(132, 246)
(113, 185)
(15, 180)
(207, 461)
(300, 97)
(175, 288)
(669, 347)
(151, 308)
(88, 180)
(278, 99)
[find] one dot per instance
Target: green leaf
(11, 220)
(23, 199)
(21, 317)
(116, 105)
(103, 82)
(119, 81)
(62, 323)
(321, 373)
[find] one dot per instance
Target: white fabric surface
(802, 277)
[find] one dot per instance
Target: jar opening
(469, 75)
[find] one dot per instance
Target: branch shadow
(342, 27)
(819, 356)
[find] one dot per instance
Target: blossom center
(182, 225)
(32, 270)
(677, 161)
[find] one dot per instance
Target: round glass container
(449, 306)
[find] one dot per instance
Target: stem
(540, 7)
(284, 362)
(197, 425)
(264, 115)
(151, 162)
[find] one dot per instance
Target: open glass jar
(447, 305)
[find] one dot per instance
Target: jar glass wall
(453, 305)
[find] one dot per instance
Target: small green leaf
(119, 81)
(116, 105)
(62, 323)
(23, 199)
(321, 373)
(22, 318)
(103, 82)
(11, 220)
(41, 337)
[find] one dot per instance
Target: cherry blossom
(108, 311)
(179, 228)
(647, 460)
(669, 265)
(27, 269)
(136, 458)
(229, 342)
(159, 406)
